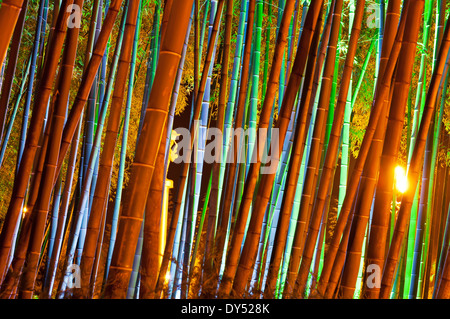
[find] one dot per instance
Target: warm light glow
(401, 180)
(24, 211)
(167, 277)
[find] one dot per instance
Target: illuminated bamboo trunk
(146, 151)
(152, 253)
(211, 266)
(414, 170)
(150, 262)
(380, 217)
(243, 270)
(382, 91)
(40, 104)
(230, 168)
(9, 14)
(306, 102)
(329, 163)
(11, 68)
(43, 93)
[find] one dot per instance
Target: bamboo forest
(220, 149)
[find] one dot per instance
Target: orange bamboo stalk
(142, 169)
(183, 177)
(11, 280)
(380, 217)
(414, 172)
(368, 180)
(9, 13)
(11, 67)
(165, 18)
(43, 92)
(150, 250)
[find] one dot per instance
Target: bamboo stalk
(263, 194)
(43, 93)
(11, 68)
(147, 147)
(196, 114)
(35, 130)
(110, 140)
(331, 152)
(296, 157)
(413, 171)
(229, 174)
(210, 264)
(9, 14)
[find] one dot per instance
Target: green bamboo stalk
(228, 173)
(151, 62)
(420, 100)
(253, 107)
(436, 136)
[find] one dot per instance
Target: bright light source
(167, 277)
(24, 211)
(401, 180)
